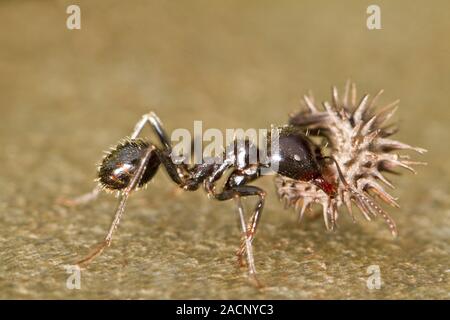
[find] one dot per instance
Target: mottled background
(65, 96)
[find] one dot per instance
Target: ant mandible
(134, 162)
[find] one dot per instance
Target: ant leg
(177, 172)
(247, 241)
(172, 169)
(156, 125)
(248, 230)
(153, 120)
(253, 221)
(120, 209)
(80, 200)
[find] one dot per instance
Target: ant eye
(119, 165)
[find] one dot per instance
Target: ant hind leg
(80, 200)
(120, 209)
(155, 123)
(150, 118)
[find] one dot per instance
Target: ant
(134, 162)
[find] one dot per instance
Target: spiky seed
(354, 136)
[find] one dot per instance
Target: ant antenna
(366, 204)
(341, 175)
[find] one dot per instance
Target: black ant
(135, 161)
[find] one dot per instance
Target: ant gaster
(135, 161)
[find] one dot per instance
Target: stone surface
(68, 95)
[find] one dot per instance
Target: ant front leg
(239, 178)
(248, 230)
(254, 219)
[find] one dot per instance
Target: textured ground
(67, 95)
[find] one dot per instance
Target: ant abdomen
(120, 164)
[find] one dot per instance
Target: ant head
(119, 165)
